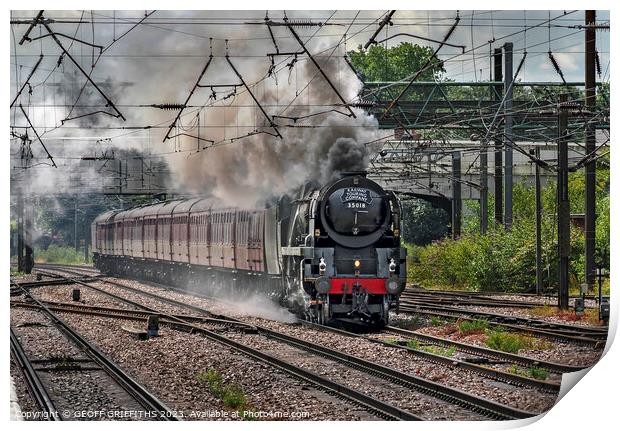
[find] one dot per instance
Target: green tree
(505, 260)
(395, 63)
(423, 223)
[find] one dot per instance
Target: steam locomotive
(330, 253)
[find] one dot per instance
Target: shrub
(233, 396)
(213, 379)
(538, 373)
(474, 326)
(413, 344)
(437, 321)
(507, 342)
(504, 260)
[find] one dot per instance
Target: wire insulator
(556, 66)
(304, 23)
(362, 104)
(169, 106)
(597, 61)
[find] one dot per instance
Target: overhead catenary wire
(473, 58)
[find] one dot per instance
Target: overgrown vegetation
(378, 63)
(232, 394)
(477, 326)
(590, 315)
(538, 373)
(437, 321)
(16, 273)
(413, 344)
(437, 350)
(60, 254)
(442, 351)
(533, 372)
(513, 343)
(505, 260)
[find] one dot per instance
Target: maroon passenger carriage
(332, 253)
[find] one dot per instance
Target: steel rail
(495, 374)
(482, 295)
(453, 396)
(43, 283)
(540, 332)
(496, 317)
(35, 386)
(375, 406)
(135, 389)
(485, 352)
(480, 405)
(472, 300)
(139, 315)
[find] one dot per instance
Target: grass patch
(544, 311)
(538, 373)
(533, 372)
(441, 351)
(590, 314)
(436, 350)
(392, 341)
(437, 321)
(512, 343)
(413, 344)
(232, 394)
(477, 326)
(16, 273)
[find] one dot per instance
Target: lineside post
(590, 168)
(563, 205)
(498, 191)
(457, 204)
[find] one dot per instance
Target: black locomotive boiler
(329, 253)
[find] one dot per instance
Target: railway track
(35, 386)
(134, 389)
(484, 407)
(460, 300)
(491, 355)
(483, 354)
(375, 406)
(487, 295)
(594, 337)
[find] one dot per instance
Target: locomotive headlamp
(391, 284)
(392, 265)
(322, 266)
(357, 264)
